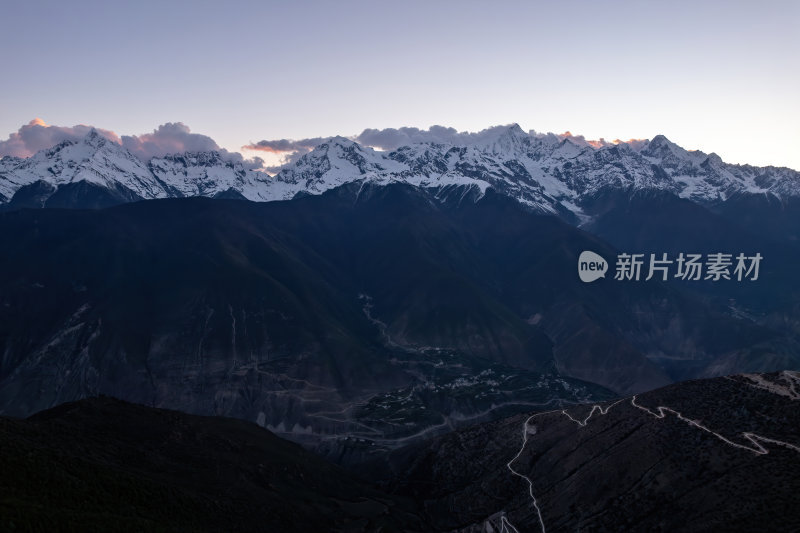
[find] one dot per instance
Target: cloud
(169, 138)
(281, 146)
(393, 138)
(580, 140)
(177, 138)
(390, 139)
(289, 150)
(38, 135)
(384, 139)
(636, 144)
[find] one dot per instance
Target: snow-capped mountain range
(550, 173)
(104, 163)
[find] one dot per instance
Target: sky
(722, 77)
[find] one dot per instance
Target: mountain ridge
(554, 174)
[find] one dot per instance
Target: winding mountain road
(755, 442)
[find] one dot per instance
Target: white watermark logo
(591, 266)
(686, 267)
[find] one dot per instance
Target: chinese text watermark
(685, 266)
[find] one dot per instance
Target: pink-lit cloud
(169, 138)
(282, 146)
(393, 138)
(38, 135)
(287, 150)
(382, 139)
(177, 138)
(636, 144)
(290, 150)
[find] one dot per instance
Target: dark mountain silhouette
(106, 465)
(707, 455)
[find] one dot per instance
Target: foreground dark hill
(368, 310)
(105, 465)
(709, 455)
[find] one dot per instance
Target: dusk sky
(723, 77)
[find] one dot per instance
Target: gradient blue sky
(716, 76)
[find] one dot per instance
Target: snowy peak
(510, 141)
(101, 162)
(93, 159)
(208, 174)
(95, 138)
(549, 173)
(203, 159)
(333, 163)
(661, 148)
(660, 141)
